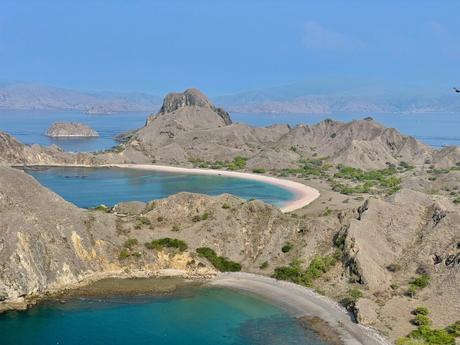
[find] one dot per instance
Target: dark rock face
(191, 98)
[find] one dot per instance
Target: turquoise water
(90, 187)
(196, 317)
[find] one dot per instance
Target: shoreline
(302, 302)
(304, 195)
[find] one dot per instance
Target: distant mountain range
(307, 97)
(40, 97)
(341, 97)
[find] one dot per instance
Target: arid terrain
(383, 238)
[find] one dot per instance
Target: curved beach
(301, 301)
(304, 194)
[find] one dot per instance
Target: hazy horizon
(229, 47)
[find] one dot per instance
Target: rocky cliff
(377, 246)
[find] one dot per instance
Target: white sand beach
(304, 194)
(301, 301)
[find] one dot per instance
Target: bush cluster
(317, 267)
(221, 263)
(425, 335)
(167, 243)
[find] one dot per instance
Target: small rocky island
(70, 129)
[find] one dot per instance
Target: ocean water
(435, 129)
(200, 316)
(29, 126)
(90, 187)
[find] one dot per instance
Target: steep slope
(189, 128)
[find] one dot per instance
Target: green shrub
(225, 206)
(259, 170)
(454, 329)
(167, 243)
(425, 335)
(333, 135)
(205, 216)
(130, 243)
(221, 263)
(264, 265)
(421, 320)
(317, 267)
(102, 208)
(124, 254)
(420, 311)
(420, 282)
(287, 247)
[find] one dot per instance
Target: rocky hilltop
(70, 129)
(189, 128)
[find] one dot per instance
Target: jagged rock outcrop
(70, 129)
(188, 127)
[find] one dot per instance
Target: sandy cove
(304, 194)
(301, 301)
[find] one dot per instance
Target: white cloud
(317, 37)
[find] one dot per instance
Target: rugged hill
(189, 128)
(377, 246)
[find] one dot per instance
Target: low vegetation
(167, 242)
(417, 284)
(287, 247)
(238, 163)
(221, 263)
(130, 243)
(352, 297)
(425, 335)
(317, 267)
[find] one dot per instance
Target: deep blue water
(198, 317)
(436, 129)
(29, 126)
(90, 187)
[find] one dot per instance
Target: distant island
(70, 129)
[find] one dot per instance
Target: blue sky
(227, 46)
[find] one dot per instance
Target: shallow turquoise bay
(196, 316)
(90, 187)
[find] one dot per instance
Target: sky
(227, 46)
